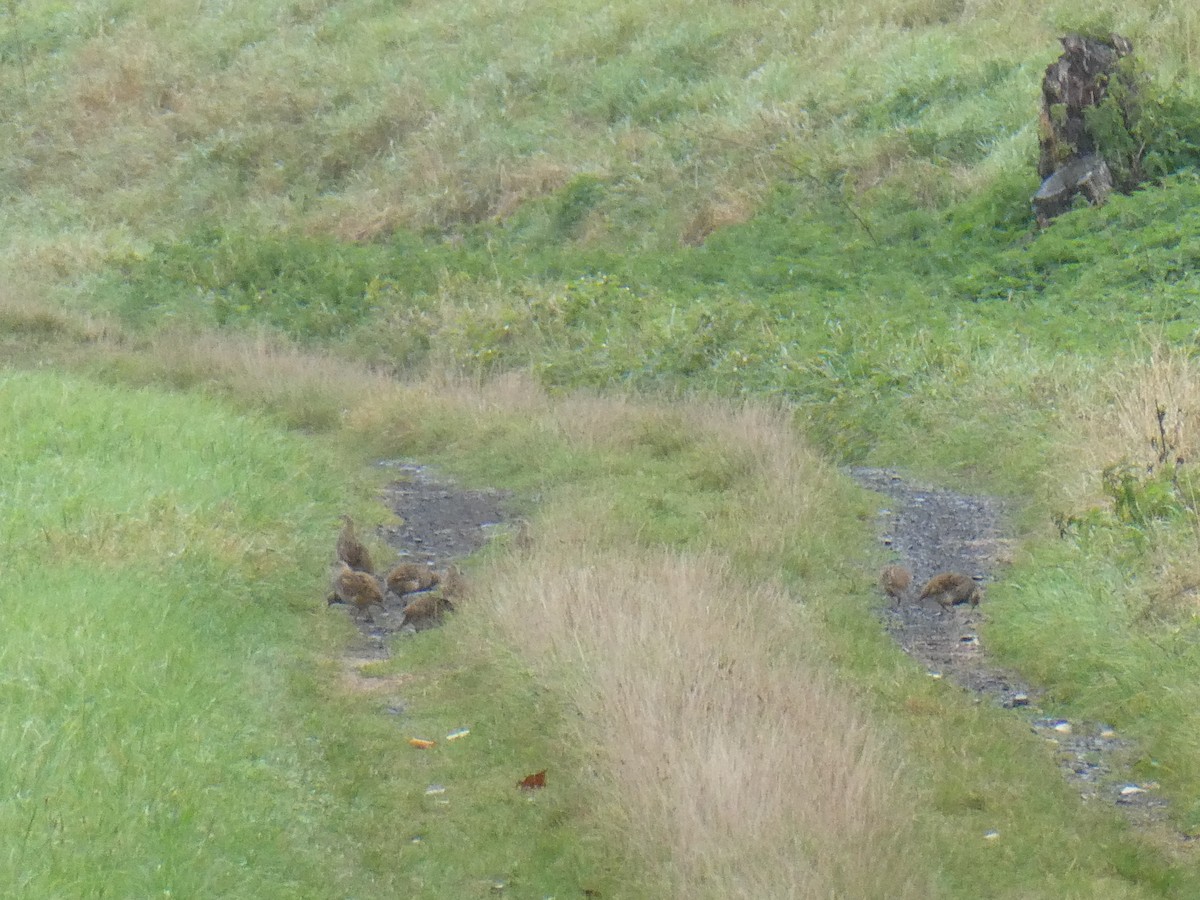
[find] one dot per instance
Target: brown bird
(895, 581)
(350, 549)
(426, 611)
(410, 577)
(454, 584)
(523, 535)
(951, 589)
(359, 589)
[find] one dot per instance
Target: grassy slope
(867, 172)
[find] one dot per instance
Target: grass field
(175, 717)
(657, 271)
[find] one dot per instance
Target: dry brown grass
(1168, 379)
(717, 213)
(1174, 593)
(735, 767)
(307, 389)
(24, 318)
(1119, 420)
(732, 763)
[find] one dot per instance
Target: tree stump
(1069, 161)
(1089, 176)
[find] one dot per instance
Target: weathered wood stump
(1069, 161)
(1089, 176)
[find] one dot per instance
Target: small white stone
(1130, 789)
(1063, 727)
(991, 835)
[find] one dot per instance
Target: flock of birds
(424, 594)
(947, 588)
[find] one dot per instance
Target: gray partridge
(410, 577)
(951, 589)
(350, 549)
(425, 611)
(359, 589)
(895, 581)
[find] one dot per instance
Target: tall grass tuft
(735, 767)
(1129, 426)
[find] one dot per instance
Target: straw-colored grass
(733, 763)
(1110, 414)
(1166, 379)
(735, 768)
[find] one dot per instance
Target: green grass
(1088, 618)
(332, 769)
(801, 306)
(169, 725)
(143, 733)
(482, 830)
(826, 209)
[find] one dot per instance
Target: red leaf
(533, 782)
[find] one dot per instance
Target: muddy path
(439, 523)
(931, 530)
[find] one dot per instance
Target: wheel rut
(931, 530)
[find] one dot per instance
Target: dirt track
(927, 529)
(930, 530)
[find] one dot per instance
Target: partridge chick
(895, 581)
(454, 585)
(410, 577)
(356, 588)
(951, 589)
(350, 549)
(425, 611)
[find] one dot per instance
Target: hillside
(734, 200)
(659, 269)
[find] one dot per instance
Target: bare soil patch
(440, 523)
